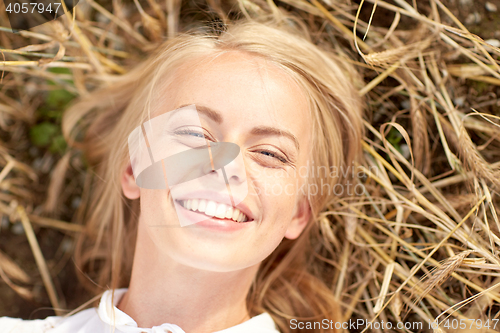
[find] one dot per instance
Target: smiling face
(246, 101)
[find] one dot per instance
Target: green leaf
(58, 144)
(394, 138)
(58, 98)
(60, 70)
(41, 134)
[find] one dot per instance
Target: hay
(421, 242)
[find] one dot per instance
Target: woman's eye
(196, 134)
(192, 133)
(273, 155)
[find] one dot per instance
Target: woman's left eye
(273, 155)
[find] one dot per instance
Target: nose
(226, 159)
(227, 166)
(195, 163)
(235, 170)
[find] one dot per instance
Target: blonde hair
(292, 282)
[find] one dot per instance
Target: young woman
(290, 108)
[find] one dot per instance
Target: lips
(214, 209)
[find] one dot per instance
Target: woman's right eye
(192, 133)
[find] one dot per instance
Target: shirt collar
(111, 315)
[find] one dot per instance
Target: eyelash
(274, 155)
(263, 152)
(190, 132)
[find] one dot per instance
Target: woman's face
(246, 101)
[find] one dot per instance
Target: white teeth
(229, 213)
(212, 208)
(202, 206)
(194, 204)
(236, 213)
(220, 212)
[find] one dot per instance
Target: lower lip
(213, 222)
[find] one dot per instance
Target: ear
(299, 219)
(129, 187)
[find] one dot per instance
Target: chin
(218, 263)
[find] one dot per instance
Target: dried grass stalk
(438, 276)
(474, 161)
(410, 217)
(12, 270)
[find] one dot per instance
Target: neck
(162, 290)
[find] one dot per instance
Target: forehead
(238, 84)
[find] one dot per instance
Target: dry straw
(423, 237)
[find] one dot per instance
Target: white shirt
(107, 316)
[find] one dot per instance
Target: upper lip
(221, 198)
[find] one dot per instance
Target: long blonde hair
(293, 282)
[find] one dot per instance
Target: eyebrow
(259, 130)
(205, 110)
(266, 130)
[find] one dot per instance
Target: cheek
(278, 191)
(156, 207)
